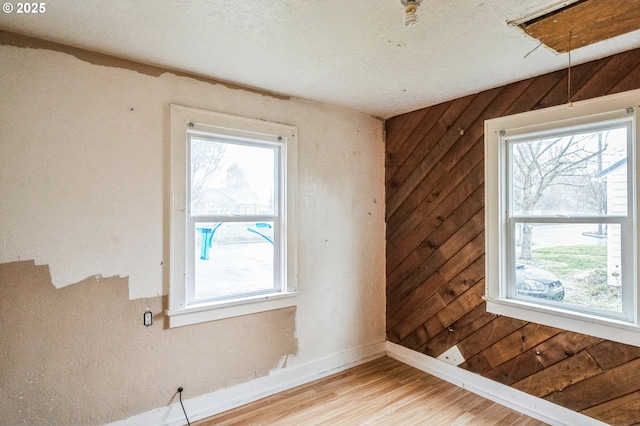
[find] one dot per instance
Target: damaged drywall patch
(81, 354)
(80, 186)
(85, 188)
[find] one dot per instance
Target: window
(560, 205)
(233, 246)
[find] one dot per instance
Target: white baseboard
(522, 402)
(279, 380)
(283, 379)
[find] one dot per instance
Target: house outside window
(561, 217)
(233, 248)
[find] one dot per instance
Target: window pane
(233, 258)
(230, 178)
(579, 174)
(578, 265)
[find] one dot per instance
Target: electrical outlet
(452, 356)
(147, 319)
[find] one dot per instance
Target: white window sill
(212, 311)
(610, 329)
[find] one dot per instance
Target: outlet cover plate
(452, 356)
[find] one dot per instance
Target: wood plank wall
(435, 251)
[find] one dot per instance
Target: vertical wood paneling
(435, 250)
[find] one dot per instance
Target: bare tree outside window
(557, 175)
(206, 160)
(560, 201)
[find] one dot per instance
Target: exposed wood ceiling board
(585, 22)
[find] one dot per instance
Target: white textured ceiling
(352, 53)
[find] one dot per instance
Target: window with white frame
(233, 248)
(561, 217)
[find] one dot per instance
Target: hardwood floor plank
(381, 392)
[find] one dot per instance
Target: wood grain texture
(559, 376)
(380, 392)
(435, 250)
(620, 411)
(585, 23)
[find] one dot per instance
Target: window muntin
(559, 218)
(234, 198)
(619, 322)
(233, 216)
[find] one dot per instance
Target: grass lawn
(564, 260)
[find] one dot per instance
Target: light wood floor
(380, 392)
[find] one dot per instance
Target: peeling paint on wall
(8, 38)
(84, 183)
(81, 354)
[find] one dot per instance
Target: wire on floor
(180, 389)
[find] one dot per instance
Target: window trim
(183, 119)
(600, 122)
(580, 113)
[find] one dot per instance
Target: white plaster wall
(84, 187)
